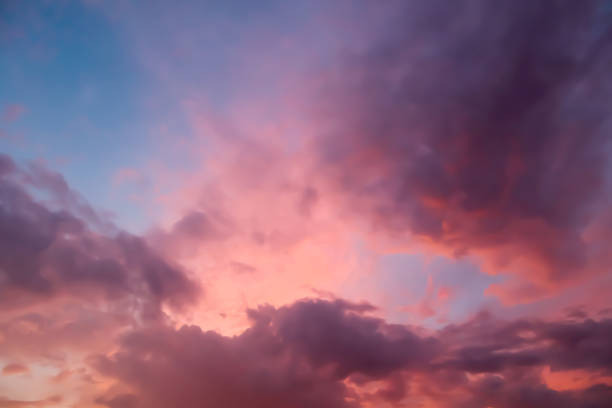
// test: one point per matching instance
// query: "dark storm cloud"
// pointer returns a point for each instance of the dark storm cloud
(481, 125)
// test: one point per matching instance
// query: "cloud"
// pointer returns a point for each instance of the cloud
(248, 222)
(493, 391)
(279, 361)
(69, 285)
(57, 193)
(479, 128)
(15, 368)
(13, 112)
(467, 128)
(329, 353)
(48, 253)
(487, 345)
(332, 333)
(204, 369)
(62, 376)
(48, 402)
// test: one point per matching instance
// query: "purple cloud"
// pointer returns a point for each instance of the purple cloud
(45, 253)
(481, 128)
(319, 353)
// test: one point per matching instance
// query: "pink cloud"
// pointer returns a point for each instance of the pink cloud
(425, 138)
(48, 402)
(435, 302)
(14, 368)
(127, 175)
(13, 112)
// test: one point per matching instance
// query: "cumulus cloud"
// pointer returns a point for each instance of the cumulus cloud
(326, 353)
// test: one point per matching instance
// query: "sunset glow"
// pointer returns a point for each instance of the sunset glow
(300, 204)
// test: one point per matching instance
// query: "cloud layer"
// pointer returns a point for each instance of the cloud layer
(352, 205)
(327, 353)
(482, 129)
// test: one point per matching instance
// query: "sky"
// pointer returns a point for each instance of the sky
(295, 204)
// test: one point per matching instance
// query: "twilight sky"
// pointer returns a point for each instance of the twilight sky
(306, 203)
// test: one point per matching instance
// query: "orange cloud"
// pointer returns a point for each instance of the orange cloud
(15, 368)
